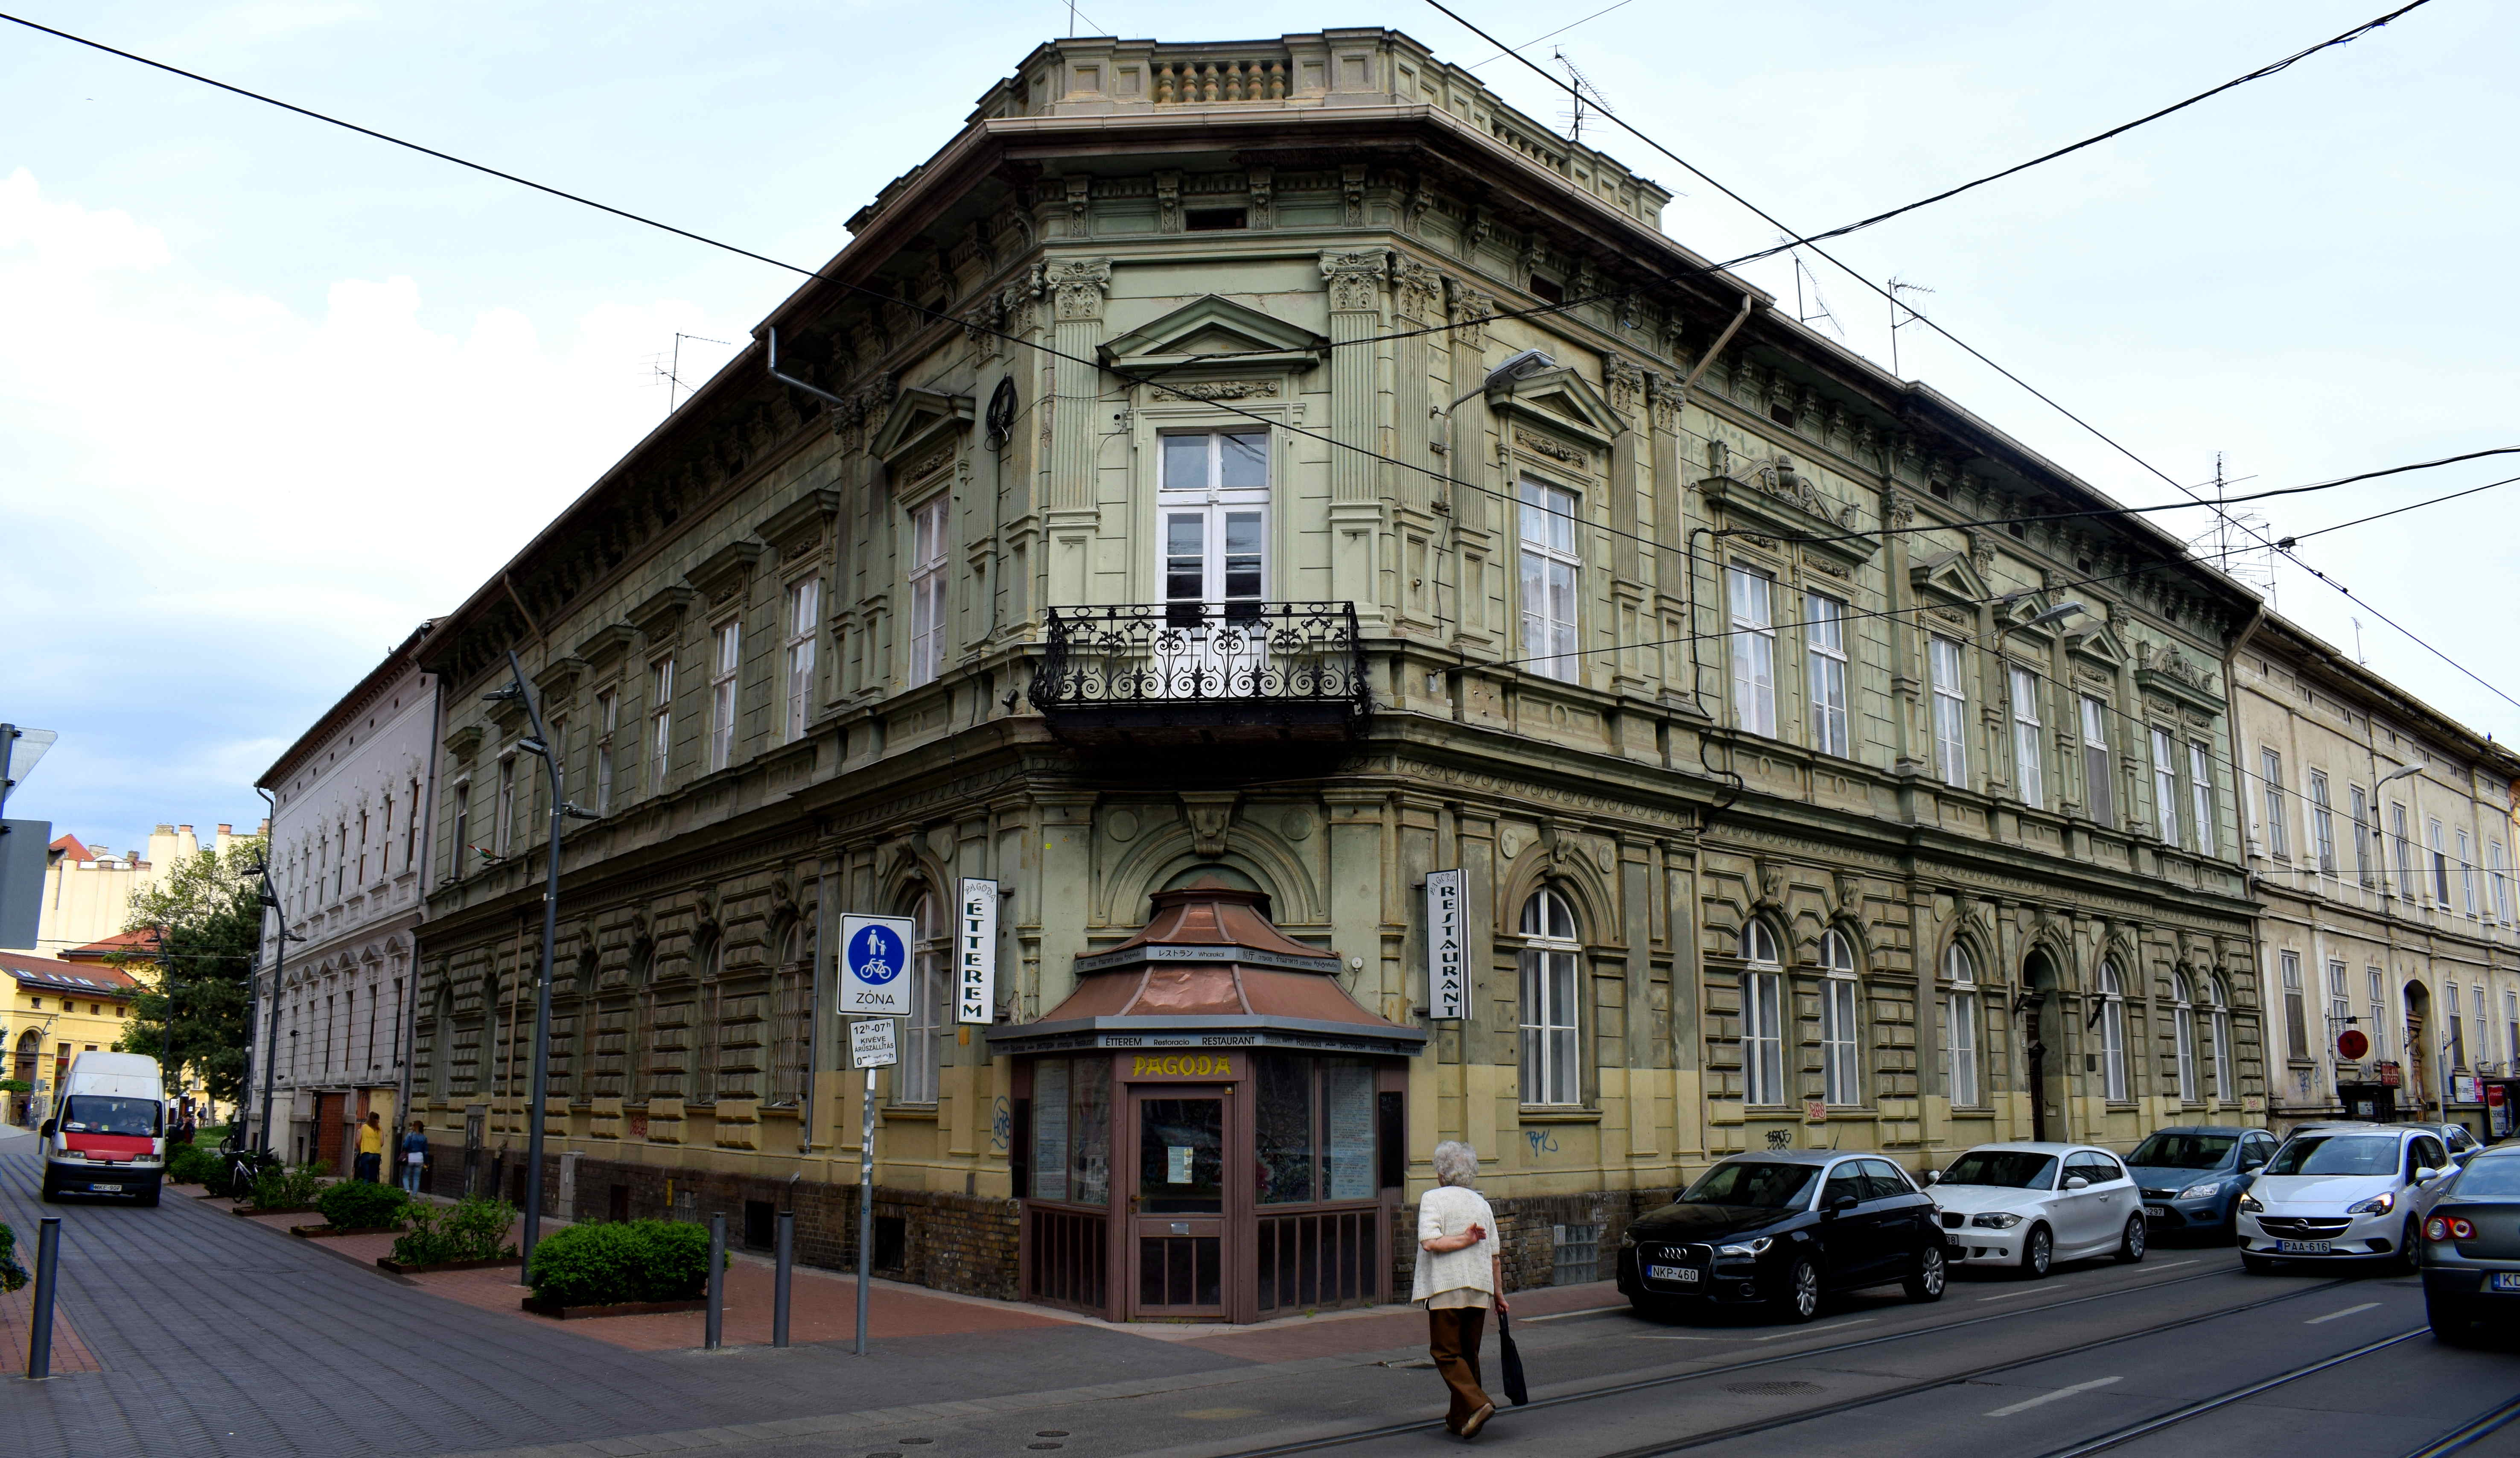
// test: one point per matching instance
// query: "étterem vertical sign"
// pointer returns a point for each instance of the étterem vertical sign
(1447, 979)
(975, 952)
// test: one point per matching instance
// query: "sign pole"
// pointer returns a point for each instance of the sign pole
(866, 1209)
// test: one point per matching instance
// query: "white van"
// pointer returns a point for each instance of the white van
(107, 1135)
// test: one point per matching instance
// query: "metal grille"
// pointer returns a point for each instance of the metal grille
(1067, 1259)
(2291, 1227)
(1173, 654)
(1311, 1261)
(1954, 1221)
(1579, 1255)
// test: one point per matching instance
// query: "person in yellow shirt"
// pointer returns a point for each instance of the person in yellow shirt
(372, 1151)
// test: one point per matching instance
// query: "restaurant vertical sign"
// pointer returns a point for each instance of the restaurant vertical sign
(975, 952)
(1448, 973)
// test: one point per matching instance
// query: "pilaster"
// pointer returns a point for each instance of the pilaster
(1077, 288)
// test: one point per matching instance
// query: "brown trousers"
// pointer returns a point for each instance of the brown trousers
(1453, 1339)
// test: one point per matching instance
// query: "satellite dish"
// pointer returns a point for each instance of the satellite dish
(1002, 413)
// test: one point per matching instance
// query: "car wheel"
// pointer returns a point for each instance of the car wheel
(1801, 1299)
(2451, 1320)
(2130, 1245)
(1931, 1273)
(2038, 1252)
(2411, 1247)
(2256, 1265)
(150, 1200)
(52, 1191)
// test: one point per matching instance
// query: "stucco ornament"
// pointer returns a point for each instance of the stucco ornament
(1356, 279)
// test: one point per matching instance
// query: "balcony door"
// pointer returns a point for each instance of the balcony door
(1212, 535)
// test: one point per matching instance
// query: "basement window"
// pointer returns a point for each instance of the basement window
(1216, 219)
(1578, 1253)
(1547, 291)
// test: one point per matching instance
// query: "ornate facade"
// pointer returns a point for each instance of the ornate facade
(1283, 465)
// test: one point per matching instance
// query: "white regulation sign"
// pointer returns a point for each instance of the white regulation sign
(871, 1044)
(975, 952)
(875, 964)
(1448, 975)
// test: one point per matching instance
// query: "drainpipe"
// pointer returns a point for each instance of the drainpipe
(420, 906)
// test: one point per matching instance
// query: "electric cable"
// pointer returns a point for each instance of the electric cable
(2395, 510)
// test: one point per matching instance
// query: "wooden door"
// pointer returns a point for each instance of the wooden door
(1181, 1251)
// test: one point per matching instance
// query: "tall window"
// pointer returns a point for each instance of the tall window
(2201, 792)
(362, 857)
(2360, 801)
(2223, 1088)
(1213, 509)
(1763, 1017)
(804, 608)
(607, 717)
(2466, 868)
(922, 1041)
(661, 722)
(1753, 651)
(2184, 1032)
(1841, 1021)
(927, 577)
(2271, 777)
(2406, 848)
(2296, 1016)
(2512, 1030)
(2502, 885)
(725, 661)
(1960, 1025)
(341, 836)
(2165, 786)
(2458, 1035)
(1951, 711)
(503, 810)
(1825, 645)
(1551, 974)
(2340, 1003)
(2440, 865)
(462, 857)
(2099, 778)
(2323, 824)
(1550, 568)
(2027, 754)
(2476, 1013)
(2113, 1062)
(411, 827)
(2375, 997)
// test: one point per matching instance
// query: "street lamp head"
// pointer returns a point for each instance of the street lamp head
(2056, 614)
(1521, 366)
(534, 747)
(503, 694)
(575, 811)
(2400, 773)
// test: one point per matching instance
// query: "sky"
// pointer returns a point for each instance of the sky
(272, 394)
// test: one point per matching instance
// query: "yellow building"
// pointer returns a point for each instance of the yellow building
(88, 888)
(129, 952)
(56, 1011)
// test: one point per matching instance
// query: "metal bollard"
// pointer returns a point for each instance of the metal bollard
(48, 1261)
(716, 1282)
(787, 1274)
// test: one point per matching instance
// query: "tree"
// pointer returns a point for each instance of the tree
(207, 917)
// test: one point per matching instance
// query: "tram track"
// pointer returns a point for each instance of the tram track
(1806, 1354)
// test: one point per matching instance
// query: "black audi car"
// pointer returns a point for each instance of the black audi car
(1784, 1229)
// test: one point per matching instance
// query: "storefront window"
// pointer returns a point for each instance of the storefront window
(1071, 1131)
(1286, 1129)
(1315, 1134)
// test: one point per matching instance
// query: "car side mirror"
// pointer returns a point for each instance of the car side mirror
(1932, 1178)
(50, 1126)
(1843, 1203)
(2077, 1182)
(2425, 1175)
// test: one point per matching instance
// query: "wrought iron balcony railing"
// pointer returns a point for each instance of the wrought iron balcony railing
(1266, 668)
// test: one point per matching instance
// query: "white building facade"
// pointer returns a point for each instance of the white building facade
(349, 837)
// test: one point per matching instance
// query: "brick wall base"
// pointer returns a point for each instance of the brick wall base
(1527, 1226)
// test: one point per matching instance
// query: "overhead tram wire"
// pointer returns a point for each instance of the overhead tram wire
(2395, 510)
(1981, 357)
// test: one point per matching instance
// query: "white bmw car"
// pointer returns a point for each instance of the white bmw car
(2343, 1191)
(2030, 1205)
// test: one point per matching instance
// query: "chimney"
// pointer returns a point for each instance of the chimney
(226, 829)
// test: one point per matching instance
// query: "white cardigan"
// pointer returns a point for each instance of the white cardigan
(1450, 1210)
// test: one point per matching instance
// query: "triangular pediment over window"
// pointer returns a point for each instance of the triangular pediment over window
(1559, 400)
(919, 417)
(1215, 326)
(1953, 575)
(2098, 645)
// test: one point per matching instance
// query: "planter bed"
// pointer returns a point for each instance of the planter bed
(387, 1262)
(624, 1308)
(318, 1232)
(248, 1211)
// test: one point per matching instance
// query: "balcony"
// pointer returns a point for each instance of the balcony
(1202, 672)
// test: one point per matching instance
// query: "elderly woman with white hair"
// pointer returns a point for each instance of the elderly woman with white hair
(1461, 1277)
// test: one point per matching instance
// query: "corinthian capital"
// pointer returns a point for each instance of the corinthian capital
(1077, 285)
(1356, 279)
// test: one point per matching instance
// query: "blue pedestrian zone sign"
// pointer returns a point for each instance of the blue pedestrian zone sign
(875, 952)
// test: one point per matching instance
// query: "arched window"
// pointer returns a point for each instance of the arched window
(708, 1010)
(1553, 1070)
(2113, 1067)
(1959, 1028)
(1840, 1020)
(790, 1034)
(1763, 1016)
(921, 1054)
(2182, 1015)
(2220, 1014)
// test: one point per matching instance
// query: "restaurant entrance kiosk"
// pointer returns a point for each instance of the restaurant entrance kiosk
(1209, 1128)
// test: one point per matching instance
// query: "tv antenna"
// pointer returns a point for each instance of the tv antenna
(1819, 308)
(1898, 306)
(672, 374)
(2254, 565)
(1578, 85)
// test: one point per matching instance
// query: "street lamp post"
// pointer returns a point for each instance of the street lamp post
(271, 1016)
(561, 810)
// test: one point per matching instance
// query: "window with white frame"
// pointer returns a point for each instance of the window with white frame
(1213, 511)
(2323, 823)
(1951, 711)
(503, 813)
(2458, 1035)
(1552, 572)
(462, 818)
(2165, 786)
(2296, 1015)
(2220, 998)
(924, 1041)
(661, 722)
(1824, 647)
(725, 662)
(2028, 754)
(2099, 777)
(1752, 648)
(1841, 1021)
(2405, 846)
(2113, 1062)
(804, 631)
(2500, 884)
(2200, 793)
(2476, 1010)
(2182, 1015)
(928, 578)
(2466, 874)
(1763, 1017)
(2512, 1030)
(1959, 1027)
(2360, 801)
(1551, 975)
(2271, 780)
(2340, 1001)
(607, 717)
(2440, 864)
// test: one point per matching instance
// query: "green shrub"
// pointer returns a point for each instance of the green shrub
(192, 1164)
(356, 1205)
(606, 1263)
(475, 1229)
(12, 1274)
(287, 1189)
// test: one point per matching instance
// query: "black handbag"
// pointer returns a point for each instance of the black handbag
(1510, 1357)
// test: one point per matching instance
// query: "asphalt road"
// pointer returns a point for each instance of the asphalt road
(220, 1338)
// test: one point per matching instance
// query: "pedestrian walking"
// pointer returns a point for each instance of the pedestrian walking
(369, 1165)
(415, 1156)
(1461, 1277)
